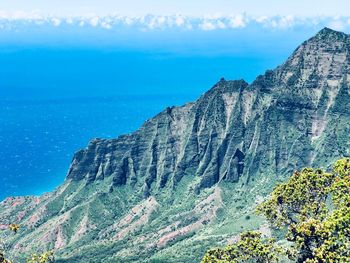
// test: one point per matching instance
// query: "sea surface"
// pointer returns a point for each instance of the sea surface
(39, 137)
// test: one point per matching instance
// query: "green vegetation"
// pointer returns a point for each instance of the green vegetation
(313, 209)
(45, 257)
(250, 248)
(14, 228)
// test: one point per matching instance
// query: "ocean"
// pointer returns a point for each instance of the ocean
(39, 137)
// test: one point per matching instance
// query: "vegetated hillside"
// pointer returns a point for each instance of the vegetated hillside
(190, 177)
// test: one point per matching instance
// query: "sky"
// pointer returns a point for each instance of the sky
(184, 7)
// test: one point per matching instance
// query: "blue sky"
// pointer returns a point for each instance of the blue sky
(185, 7)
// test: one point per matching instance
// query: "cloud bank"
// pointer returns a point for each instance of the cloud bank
(10, 21)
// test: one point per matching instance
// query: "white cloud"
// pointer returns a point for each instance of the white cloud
(20, 15)
(94, 21)
(238, 21)
(336, 25)
(207, 26)
(106, 25)
(287, 21)
(179, 21)
(262, 19)
(56, 22)
(69, 21)
(221, 24)
(3, 15)
(162, 22)
(128, 21)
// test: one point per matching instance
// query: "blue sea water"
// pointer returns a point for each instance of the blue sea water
(38, 137)
(54, 98)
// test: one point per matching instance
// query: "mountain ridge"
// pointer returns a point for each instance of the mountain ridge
(194, 173)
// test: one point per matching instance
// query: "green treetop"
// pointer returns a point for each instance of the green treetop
(314, 208)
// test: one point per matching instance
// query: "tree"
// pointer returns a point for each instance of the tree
(2, 257)
(250, 248)
(314, 206)
(314, 209)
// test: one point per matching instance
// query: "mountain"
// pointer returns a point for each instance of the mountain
(190, 177)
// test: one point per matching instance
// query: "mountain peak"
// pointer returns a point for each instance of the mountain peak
(328, 33)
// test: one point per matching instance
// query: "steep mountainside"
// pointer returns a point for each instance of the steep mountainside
(190, 177)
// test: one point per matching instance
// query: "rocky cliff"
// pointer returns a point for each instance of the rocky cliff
(190, 177)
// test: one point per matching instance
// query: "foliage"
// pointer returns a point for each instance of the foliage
(45, 257)
(250, 248)
(14, 227)
(314, 208)
(2, 257)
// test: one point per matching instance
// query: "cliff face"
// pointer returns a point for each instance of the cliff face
(194, 173)
(199, 139)
(235, 128)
